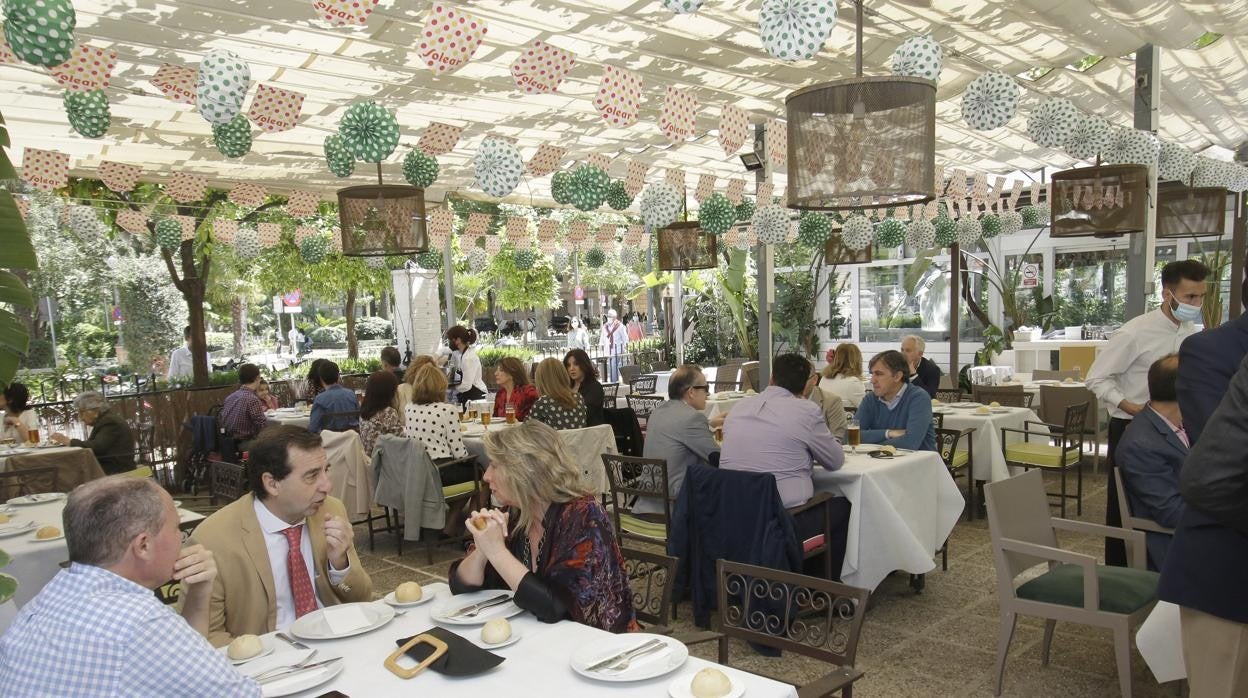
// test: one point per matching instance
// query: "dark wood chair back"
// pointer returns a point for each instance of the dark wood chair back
(643, 385)
(724, 386)
(629, 373)
(1006, 395)
(938, 420)
(632, 477)
(950, 396)
(609, 392)
(650, 577)
(227, 481)
(643, 405)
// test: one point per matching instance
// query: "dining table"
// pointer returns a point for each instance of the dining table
(539, 662)
(291, 416)
(989, 462)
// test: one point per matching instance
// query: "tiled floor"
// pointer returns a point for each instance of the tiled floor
(939, 643)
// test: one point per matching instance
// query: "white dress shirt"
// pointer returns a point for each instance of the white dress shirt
(277, 547)
(180, 363)
(470, 371)
(849, 389)
(1120, 371)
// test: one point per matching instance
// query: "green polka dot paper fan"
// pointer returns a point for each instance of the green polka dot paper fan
(247, 243)
(990, 101)
(717, 214)
(745, 210)
(946, 231)
(1174, 162)
(498, 167)
(595, 258)
(88, 112)
(1089, 137)
(771, 225)
(890, 232)
(340, 161)
(1051, 123)
(560, 187)
(660, 205)
(524, 259)
(588, 187)
(617, 196)
(1031, 217)
(856, 232)
(991, 225)
(1213, 173)
(369, 131)
(1131, 146)
(813, 229)
(40, 32)
(478, 259)
(683, 7)
(1011, 222)
(795, 30)
(314, 248)
(233, 139)
(431, 260)
(919, 57)
(1044, 212)
(221, 85)
(420, 170)
(168, 234)
(921, 234)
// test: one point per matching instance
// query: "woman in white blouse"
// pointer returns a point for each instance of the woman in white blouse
(19, 419)
(843, 374)
(471, 379)
(431, 419)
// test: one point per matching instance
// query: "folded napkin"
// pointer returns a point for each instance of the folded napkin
(462, 657)
(283, 658)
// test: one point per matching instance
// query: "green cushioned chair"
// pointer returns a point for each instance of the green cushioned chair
(632, 478)
(1058, 447)
(1040, 455)
(1074, 588)
(452, 491)
(641, 528)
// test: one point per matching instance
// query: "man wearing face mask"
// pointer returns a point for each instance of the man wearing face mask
(1119, 376)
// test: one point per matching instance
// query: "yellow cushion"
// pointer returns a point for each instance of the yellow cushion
(1043, 455)
(141, 471)
(960, 459)
(453, 491)
(641, 527)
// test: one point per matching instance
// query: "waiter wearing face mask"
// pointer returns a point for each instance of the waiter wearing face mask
(1119, 376)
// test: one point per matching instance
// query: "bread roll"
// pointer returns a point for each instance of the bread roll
(408, 592)
(994, 403)
(480, 523)
(5, 518)
(45, 532)
(244, 647)
(496, 631)
(710, 683)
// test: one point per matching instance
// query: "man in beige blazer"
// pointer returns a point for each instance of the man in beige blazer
(833, 409)
(264, 579)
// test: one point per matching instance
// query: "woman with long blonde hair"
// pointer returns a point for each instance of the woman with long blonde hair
(843, 375)
(559, 406)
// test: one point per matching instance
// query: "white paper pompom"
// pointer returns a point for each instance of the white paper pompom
(1089, 138)
(683, 7)
(857, 232)
(970, 230)
(1011, 222)
(990, 101)
(478, 259)
(1051, 123)
(1238, 179)
(921, 234)
(1212, 173)
(499, 166)
(794, 30)
(659, 205)
(247, 243)
(221, 85)
(1174, 162)
(1130, 146)
(919, 57)
(771, 225)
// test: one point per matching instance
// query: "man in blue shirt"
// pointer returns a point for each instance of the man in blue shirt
(336, 408)
(895, 413)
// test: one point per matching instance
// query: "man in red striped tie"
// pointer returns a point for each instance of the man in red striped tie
(285, 549)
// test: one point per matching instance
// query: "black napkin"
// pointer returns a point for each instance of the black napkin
(462, 658)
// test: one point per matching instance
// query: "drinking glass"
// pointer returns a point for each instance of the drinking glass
(511, 413)
(853, 434)
(485, 418)
(33, 436)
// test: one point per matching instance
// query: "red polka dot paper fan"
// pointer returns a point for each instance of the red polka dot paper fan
(679, 114)
(133, 222)
(302, 204)
(600, 161)
(578, 232)
(441, 221)
(188, 226)
(777, 142)
(478, 224)
(269, 233)
(634, 180)
(177, 82)
(619, 96)
(6, 53)
(545, 160)
(88, 68)
(763, 192)
(734, 129)
(547, 230)
(45, 169)
(345, 12)
(224, 230)
(676, 177)
(606, 233)
(274, 109)
(735, 190)
(439, 139)
(119, 177)
(186, 187)
(247, 194)
(706, 187)
(449, 38)
(541, 67)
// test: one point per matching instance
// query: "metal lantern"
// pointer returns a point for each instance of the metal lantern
(1186, 212)
(836, 253)
(1101, 201)
(382, 220)
(686, 246)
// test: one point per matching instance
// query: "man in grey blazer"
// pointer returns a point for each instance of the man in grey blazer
(677, 432)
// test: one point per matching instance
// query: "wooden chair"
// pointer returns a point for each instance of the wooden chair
(1054, 399)
(822, 543)
(749, 376)
(643, 405)
(629, 479)
(629, 373)
(660, 366)
(1039, 375)
(1129, 520)
(610, 391)
(950, 396)
(1066, 454)
(817, 618)
(718, 386)
(947, 442)
(226, 482)
(938, 420)
(1006, 395)
(643, 385)
(650, 579)
(1074, 588)
(38, 480)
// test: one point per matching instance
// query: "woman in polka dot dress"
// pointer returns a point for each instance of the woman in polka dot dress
(436, 423)
(559, 407)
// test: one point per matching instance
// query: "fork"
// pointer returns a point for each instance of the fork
(620, 665)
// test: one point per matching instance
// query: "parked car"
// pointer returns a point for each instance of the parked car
(560, 324)
(485, 324)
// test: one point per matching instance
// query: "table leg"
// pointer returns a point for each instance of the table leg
(917, 582)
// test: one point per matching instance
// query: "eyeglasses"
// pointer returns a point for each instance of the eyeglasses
(706, 388)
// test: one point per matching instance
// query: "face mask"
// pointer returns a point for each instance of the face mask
(1185, 312)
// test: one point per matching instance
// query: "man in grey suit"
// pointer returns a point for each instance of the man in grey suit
(677, 432)
(1151, 454)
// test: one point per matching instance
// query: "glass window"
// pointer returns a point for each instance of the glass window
(1089, 287)
(841, 310)
(891, 306)
(1216, 254)
(1024, 302)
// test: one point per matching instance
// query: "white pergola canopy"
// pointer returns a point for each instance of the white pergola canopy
(715, 54)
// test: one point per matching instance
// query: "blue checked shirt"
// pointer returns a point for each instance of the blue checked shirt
(93, 633)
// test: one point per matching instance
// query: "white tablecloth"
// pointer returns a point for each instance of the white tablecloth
(586, 447)
(903, 509)
(723, 405)
(30, 451)
(989, 462)
(1161, 644)
(538, 664)
(288, 416)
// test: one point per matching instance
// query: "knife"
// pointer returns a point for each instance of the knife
(620, 655)
(500, 599)
(295, 670)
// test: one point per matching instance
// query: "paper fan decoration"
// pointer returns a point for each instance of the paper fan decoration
(588, 187)
(1175, 162)
(1088, 139)
(221, 86)
(890, 232)
(595, 258)
(561, 187)
(717, 214)
(561, 258)
(478, 259)
(1213, 173)
(991, 225)
(449, 39)
(1011, 222)
(919, 57)
(1031, 217)
(247, 243)
(618, 197)
(45, 169)
(946, 230)
(40, 32)
(970, 230)
(88, 113)
(1238, 178)
(921, 234)
(630, 256)
(85, 223)
(369, 131)
(745, 210)
(990, 101)
(660, 204)
(771, 225)
(683, 7)
(340, 161)
(856, 233)
(420, 170)
(233, 139)
(541, 67)
(1130, 146)
(794, 30)
(813, 229)
(498, 166)
(431, 260)
(168, 233)
(524, 259)
(1052, 123)
(314, 248)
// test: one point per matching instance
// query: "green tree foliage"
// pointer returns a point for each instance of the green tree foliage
(153, 312)
(17, 259)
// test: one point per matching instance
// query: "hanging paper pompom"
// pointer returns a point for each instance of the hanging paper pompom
(168, 233)
(794, 30)
(970, 230)
(221, 85)
(1238, 177)
(990, 101)
(233, 139)
(1011, 222)
(588, 187)
(919, 57)
(717, 214)
(561, 259)
(946, 230)
(561, 188)
(630, 256)
(1044, 213)
(478, 259)
(369, 131)
(660, 204)
(1175, 162)
(375, 262)
(683, 7)
(88, 112)
(40, 32)
(85, 224)
(1031, 217)
(1051, 123)
(813, 229)
(890, 232)
(247, 243)
(745, 210)
(498, 167)
(431, 260)
(618, 197)
(524, 259)
(1088, 139)
(771, 225)
(420, 170)
(314, 248)
(1213, 173)
(595, 258)
(857, 232)
(921, 234)
(990, 224)
(340, 161)
(1130, 146)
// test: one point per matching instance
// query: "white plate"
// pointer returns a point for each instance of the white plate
(38, 498)
(267, 646)
(313, 626)
(475, 638)
(999, 410)
(6, 452)
(47, 540)
(647, 667)
(17, 529)
(681, 687)
(303, 680)
(454, 603)
(966, 405)
(429, 596)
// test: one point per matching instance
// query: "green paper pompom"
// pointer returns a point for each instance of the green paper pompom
(745, 210)
(890, 232)
(429, 260)
(813, 229)
(420, 170)
(946, 230)
(717, 214)
(1011, 222)
(314, 248)
(168, 234)
(340, 161)
(524, 259)
(88, 112)
(588, 187)
(40, 32)
(1031, 217)
(617, 196)
(369, 131)
(560, 187)
(991, 223)
(233, 138)
(595, 258)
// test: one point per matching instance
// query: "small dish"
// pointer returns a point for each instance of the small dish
(267, 647)
(476, 640)
(426, 598)
(682, 687)
(885, 455)
(47, 540)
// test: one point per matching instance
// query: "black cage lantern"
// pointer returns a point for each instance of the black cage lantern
(1186, 212)
(1100, 201)
(382, 219)
(686, 246)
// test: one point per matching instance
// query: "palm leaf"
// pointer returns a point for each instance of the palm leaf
(16, 252)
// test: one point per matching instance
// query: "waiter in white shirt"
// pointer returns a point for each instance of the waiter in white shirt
(180, 364)
(1119, 376)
